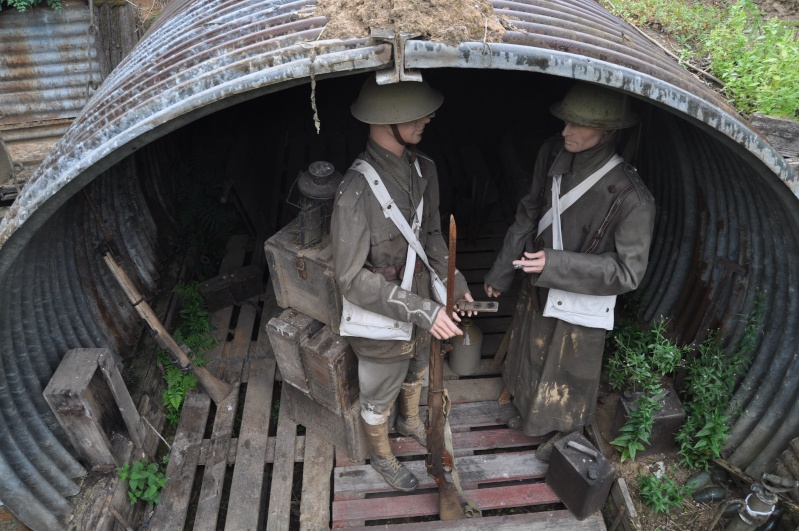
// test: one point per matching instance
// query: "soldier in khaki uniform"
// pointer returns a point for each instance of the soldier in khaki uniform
(553, 367)
(369, 254)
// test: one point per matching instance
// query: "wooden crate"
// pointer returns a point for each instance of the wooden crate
(90, 401)
(286, 331)
(233, 287)
(331, 369)
(303, 278)
(343, 430)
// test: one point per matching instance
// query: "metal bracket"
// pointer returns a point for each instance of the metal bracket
(398, 73)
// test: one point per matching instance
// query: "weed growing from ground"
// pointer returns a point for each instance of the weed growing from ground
(661, 493)
(640, 361)
(194, 331)
(712, 375)
(145, 480)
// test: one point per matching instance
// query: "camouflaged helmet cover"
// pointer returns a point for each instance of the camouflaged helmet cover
(395, 103)
(595, 106)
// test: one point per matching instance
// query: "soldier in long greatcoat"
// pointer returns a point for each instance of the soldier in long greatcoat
(553, 366)
(369, 254)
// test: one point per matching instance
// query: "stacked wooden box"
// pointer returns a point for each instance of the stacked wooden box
(322, 372)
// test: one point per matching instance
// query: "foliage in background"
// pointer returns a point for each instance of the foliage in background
(194, 331)
(758, 60)
(756, 57)
(640, 361)
(145, 481)
(24, 5)
(661, 493)
(205, 221)
(712, 375)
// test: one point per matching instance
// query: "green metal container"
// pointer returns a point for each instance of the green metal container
(465, 355)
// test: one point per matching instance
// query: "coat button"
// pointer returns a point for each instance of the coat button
(612, 188)
(560, 302)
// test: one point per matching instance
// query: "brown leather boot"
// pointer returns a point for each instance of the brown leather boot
(408, 421)
(384, 461)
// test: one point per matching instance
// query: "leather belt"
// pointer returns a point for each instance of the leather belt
(396, 271)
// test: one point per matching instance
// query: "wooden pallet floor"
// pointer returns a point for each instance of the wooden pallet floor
(241, 465)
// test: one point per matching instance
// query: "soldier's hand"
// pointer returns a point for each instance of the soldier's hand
(468, 298)
(444, 327)
(531, 262)
(490, 291)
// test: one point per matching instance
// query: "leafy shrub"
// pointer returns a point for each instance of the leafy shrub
(758, 60)
(24, 5)
(660, 493)
(194, 331)
(756, 57)
(145, 481)
(640, 360)
(710, 382)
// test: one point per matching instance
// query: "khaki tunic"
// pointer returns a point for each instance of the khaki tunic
(363, 237)
(552, 368)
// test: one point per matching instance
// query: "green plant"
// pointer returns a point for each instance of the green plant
(194, 331)
(756, 57)
(145, 480)
(24, 5)
(639, 362)
(660, 493)
(758, 60)
(710, 381)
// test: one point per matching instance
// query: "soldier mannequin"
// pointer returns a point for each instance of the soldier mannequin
(553, 367)
(369, 254)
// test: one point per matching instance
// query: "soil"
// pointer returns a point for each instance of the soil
(784, 9)
(447, 21)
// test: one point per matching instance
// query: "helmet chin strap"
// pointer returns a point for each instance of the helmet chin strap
(398, 137)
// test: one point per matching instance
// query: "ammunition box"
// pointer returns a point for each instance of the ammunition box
(286, 331)
(331, 370)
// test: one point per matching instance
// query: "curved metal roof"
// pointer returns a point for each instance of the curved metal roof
(202, 56)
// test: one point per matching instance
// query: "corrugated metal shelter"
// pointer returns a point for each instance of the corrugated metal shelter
(48, 71)
(726, 227)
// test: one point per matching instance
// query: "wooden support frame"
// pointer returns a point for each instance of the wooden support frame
(89, 399)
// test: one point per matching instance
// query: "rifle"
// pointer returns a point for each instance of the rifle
(216, 388)
(449, 505)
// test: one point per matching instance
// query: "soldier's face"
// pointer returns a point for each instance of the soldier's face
(578, 138)
(411, 132)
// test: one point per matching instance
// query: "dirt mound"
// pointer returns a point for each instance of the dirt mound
(447, 21)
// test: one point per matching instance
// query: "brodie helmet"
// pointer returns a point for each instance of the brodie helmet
(395, 103)
(595, 106)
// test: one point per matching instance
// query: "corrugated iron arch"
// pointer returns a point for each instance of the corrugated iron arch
(201, 57)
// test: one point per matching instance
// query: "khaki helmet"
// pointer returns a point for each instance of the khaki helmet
(395, 103)
(595, 106)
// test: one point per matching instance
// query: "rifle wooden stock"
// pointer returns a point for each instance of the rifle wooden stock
(449, 505)
(216, 388)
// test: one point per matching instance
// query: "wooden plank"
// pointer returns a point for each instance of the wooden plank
(470, 440)
(485, 368)
(80, 398)
(279, 507)
(474, 389)
(170, 512)
(473, 470)
(544, 521)
(316, 475)
(123, 400)
(230, 368)
(216, 463)
(248, 473)
(478, 414)
(426, 504)
(620, 497)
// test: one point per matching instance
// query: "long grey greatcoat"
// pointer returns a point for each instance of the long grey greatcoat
(552, 367)
(362, 236)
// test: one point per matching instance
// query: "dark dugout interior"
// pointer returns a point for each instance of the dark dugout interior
(719, 240)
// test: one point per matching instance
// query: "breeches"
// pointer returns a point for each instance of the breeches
(380, 383)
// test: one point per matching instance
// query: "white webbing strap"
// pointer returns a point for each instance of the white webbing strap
(575, 193)
(410, 234)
